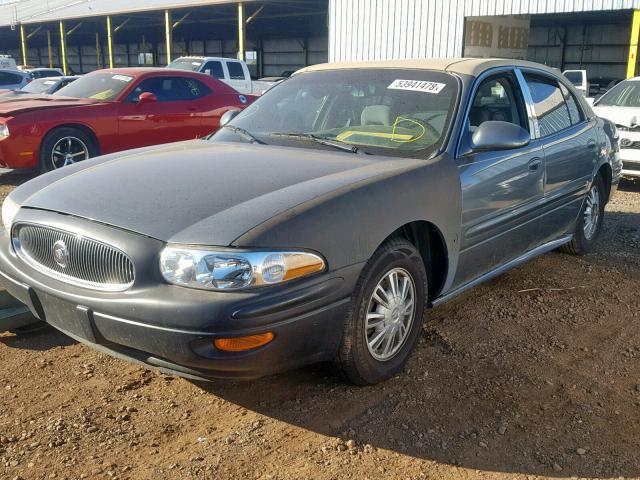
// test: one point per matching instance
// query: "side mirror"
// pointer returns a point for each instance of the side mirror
(147, 97)
(228, 116)
(495, 135)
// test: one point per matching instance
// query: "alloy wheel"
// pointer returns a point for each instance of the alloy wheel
(591, 213)
(67, 151)
(390, 314)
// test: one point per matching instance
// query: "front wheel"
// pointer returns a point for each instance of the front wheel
(589, 223)
(66, 146)
(386, 314)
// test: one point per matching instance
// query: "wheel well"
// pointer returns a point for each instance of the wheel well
(83, 128)
(606, 174)
(428, 239)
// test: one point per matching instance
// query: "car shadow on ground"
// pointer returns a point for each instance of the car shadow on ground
(533, 381)
(39, 337)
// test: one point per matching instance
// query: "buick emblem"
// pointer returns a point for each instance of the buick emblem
(60, 254)
(625, 142)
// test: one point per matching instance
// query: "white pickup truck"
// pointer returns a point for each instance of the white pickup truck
(234, 73)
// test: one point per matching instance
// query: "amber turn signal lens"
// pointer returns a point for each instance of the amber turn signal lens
(241, 344)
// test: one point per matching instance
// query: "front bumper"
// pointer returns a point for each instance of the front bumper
(630, 162)
(173, 328)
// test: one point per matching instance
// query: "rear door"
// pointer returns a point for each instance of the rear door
(502, 190)
(238, 76)
(571, 147)
(176, 115)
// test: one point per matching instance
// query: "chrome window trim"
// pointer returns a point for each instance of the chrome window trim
(33, 263)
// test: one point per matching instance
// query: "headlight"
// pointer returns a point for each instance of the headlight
(4, 131)
(9, 210)
(231, 270)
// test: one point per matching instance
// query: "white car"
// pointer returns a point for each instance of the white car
(234, 73)
(621, 105)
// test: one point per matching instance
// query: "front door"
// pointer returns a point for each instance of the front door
(176, 115)
(502, 190)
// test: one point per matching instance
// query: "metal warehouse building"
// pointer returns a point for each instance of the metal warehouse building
(600, 36)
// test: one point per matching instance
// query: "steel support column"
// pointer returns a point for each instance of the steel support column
(168, 27)
(63, 48)
(110, 41)
(633, 44)
(23, 43)
(242, 39)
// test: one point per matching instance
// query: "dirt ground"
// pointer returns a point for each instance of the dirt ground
(535, 374)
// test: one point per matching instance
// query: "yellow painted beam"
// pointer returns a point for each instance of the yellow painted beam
(242, 38)
(23, 43)
(63, 48)
(633, 44)
(110, 42)
(168, 27)
(49, 49)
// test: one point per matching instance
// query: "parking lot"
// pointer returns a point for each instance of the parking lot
(533, 374)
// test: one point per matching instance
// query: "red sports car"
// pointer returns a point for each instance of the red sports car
(112, 110)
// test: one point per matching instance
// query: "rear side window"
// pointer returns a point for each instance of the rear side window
(574, 110)
(171, 89)
(214, 69)
(549, 104)
(236, 72)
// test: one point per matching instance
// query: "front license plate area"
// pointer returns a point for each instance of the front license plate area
(70, 318)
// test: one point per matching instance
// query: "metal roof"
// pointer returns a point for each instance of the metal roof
(35, 11)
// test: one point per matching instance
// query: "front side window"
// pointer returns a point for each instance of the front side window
(170, 89)
(549, 105)
(625, 94)
(498, 99)
(402, 113)
(97, 86)
(236, 72)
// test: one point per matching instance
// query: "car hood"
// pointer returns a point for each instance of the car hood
(619, 115)
(199, 192)
(14, 104)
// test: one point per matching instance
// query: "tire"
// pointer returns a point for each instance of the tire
(586, 232)
(358, 357)
(57, 139)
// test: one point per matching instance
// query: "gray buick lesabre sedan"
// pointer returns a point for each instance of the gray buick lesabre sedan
(318, 224)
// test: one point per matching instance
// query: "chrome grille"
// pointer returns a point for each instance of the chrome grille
(84, 262)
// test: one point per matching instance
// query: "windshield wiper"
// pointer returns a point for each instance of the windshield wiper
(244, 134)
(344, 146)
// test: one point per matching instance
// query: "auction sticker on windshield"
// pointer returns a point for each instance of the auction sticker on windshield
(122, 78)
(417, 86)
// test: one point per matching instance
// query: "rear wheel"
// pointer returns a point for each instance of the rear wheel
(66, 146)
(589, 222)
(386, 314)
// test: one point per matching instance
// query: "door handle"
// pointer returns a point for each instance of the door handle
(534, 165)
(591, 145)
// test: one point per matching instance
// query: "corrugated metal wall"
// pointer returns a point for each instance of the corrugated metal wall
(383, 29)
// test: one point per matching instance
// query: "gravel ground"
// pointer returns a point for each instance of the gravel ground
(535, 374)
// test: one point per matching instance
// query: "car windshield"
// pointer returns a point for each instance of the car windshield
(574, 77)
(41, 85)
(403, 113)
(98, 86)
(625, 94)
(192, 64)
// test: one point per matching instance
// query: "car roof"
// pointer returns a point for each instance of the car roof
(40, 69)
(14, 70)
(196, 57)
(463, 66)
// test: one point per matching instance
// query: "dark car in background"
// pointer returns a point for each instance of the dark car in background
(318, 224)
